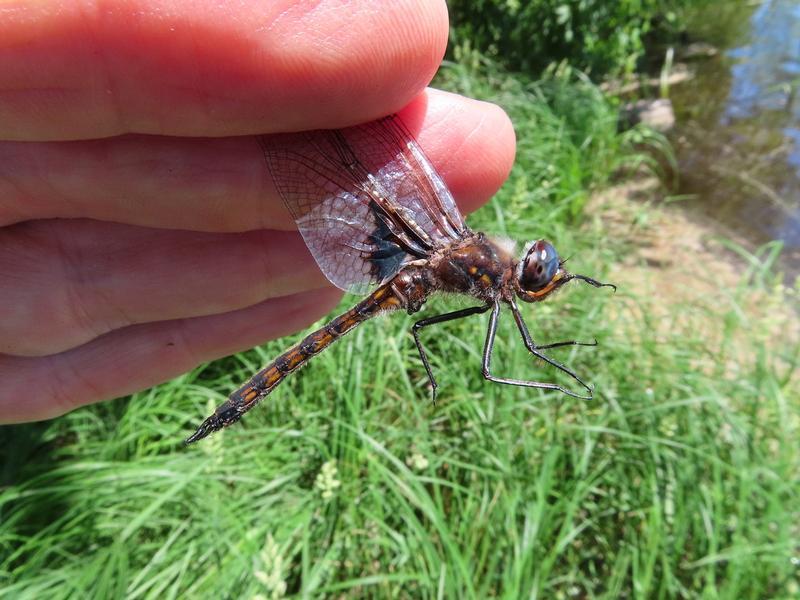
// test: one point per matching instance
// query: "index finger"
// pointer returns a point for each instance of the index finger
(78, 70)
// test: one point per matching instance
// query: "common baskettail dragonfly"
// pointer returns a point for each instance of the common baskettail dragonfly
(379, 220)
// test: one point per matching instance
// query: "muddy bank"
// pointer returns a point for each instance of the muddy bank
(682, 278)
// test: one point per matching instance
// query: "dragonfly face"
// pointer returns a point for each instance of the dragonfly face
(540, 272)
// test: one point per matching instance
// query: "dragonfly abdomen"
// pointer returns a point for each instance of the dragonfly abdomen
(391, 296)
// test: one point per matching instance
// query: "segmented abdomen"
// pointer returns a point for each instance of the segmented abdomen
(262, 383)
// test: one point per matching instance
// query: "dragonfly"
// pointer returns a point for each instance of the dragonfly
(380, 222)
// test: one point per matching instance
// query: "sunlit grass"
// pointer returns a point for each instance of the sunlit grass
(680, 478)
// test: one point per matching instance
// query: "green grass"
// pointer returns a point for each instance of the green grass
(680, 479)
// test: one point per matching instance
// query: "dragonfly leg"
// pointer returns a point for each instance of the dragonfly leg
(560, 344)
(529, 343)
(422, 323)
(488, 349)
(535, 350)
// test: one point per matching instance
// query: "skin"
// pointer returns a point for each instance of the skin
(140, 234)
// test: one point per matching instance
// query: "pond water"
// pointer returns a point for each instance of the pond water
(738, 132)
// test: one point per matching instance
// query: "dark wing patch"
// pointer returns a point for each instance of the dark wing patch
(387, 257)
(365, 199)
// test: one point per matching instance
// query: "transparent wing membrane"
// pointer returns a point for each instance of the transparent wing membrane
(366, 199)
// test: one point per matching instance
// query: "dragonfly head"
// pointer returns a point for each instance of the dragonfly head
(541, 272)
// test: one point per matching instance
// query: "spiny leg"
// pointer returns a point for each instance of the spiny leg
(561, 344)
(451, 316)
(526, 336)
(488, 348)
(535, 350)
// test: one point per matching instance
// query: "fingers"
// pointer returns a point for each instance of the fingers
(138, 357)
(222, 184)
(80, 70)
(64, 283)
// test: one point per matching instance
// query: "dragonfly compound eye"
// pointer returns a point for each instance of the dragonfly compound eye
(538, 267)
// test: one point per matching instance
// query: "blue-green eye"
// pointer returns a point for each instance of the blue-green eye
(539, 266)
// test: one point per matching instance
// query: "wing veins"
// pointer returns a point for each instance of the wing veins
(415, 240)
(401, 138)
(407, 235)
(365, 198)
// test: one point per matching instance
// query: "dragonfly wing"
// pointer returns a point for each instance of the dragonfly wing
(390, 152)
(365, 199)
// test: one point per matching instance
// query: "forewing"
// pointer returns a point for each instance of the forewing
(365, 199)
(388, 150)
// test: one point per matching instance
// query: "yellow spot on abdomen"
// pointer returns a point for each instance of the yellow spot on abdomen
(294, 359)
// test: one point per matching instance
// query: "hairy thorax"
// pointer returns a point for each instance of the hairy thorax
(479, 267)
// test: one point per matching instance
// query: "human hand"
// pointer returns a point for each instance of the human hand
(140, 233)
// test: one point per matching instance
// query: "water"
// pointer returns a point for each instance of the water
(738, 133)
